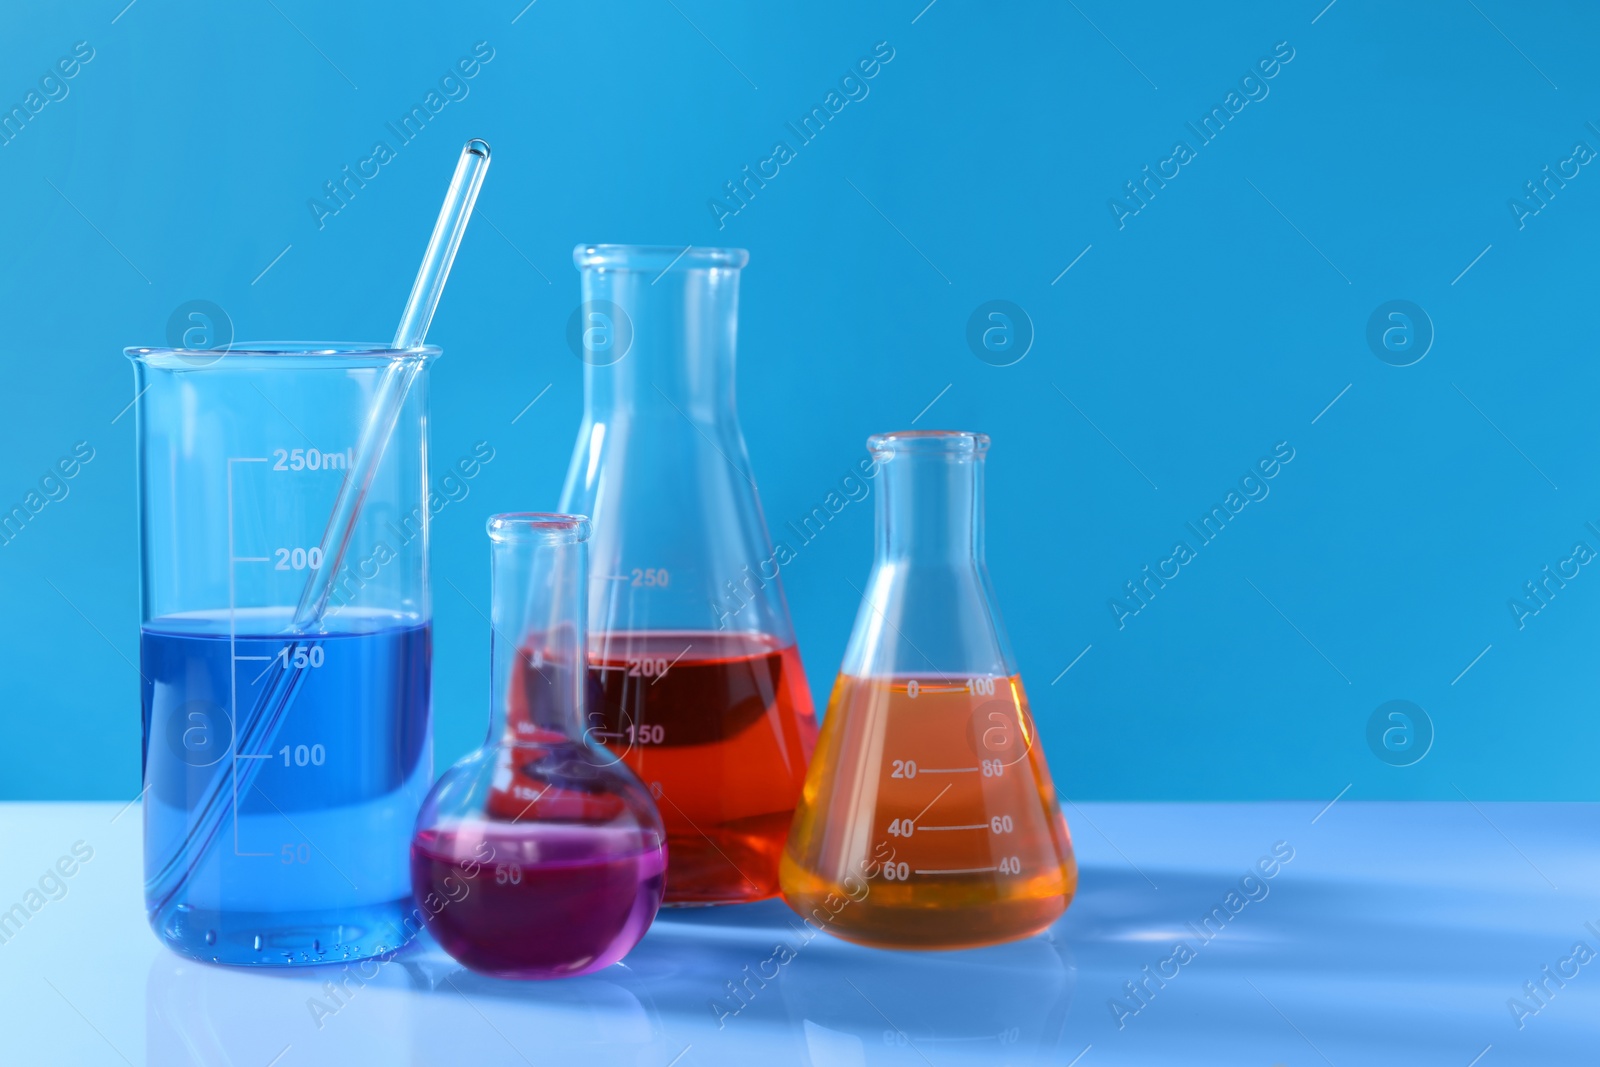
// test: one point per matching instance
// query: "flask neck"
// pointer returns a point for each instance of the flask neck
(930, 507)
(538, 664)
(929, 606)
(655, 341)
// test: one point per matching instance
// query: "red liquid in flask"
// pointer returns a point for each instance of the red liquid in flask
(720, 727)
(536, 900)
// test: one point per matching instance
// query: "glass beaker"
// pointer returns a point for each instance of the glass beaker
(698, 681)
(283, 765)
(539, 855)
(929, 819)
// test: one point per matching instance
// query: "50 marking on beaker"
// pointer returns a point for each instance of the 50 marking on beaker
(311, 459)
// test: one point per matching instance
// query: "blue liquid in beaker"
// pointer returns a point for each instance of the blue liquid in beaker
(311, 862)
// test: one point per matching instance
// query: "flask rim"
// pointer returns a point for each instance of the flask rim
(657, 259)
(537, 528)
(956, 443)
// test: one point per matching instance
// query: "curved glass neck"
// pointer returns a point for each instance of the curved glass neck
(538, 665)
(659, 339)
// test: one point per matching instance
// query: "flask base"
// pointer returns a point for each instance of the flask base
(734, 862)
(924, 924)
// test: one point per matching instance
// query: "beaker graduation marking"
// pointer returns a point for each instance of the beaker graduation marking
(234, 658)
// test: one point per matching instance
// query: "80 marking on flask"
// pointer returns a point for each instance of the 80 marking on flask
(963, 827)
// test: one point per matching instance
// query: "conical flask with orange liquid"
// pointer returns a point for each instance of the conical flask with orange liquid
(928, 818)
(695, 679)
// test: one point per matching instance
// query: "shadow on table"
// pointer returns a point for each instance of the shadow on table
(728, 981)
(735, 981)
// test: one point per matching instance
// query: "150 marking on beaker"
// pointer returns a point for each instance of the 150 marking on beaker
(300, 657)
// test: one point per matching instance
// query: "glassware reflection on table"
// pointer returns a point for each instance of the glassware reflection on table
(540, 855)
(1004, 1004)
(283, 761)
(929, 819)
(698, 681)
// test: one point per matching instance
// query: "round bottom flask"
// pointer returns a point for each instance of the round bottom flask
(540, 855)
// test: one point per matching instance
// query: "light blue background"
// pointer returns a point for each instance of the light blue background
(979, 167)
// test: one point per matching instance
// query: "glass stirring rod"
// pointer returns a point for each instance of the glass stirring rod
(396, 382)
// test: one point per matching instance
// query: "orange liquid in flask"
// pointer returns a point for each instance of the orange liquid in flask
(929, 819)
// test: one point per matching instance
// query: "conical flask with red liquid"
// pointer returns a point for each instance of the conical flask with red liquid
(695, 676)
(539, 855)
(929, 819)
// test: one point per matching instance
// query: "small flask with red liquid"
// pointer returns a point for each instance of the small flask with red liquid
(696, 680)
(540, 855)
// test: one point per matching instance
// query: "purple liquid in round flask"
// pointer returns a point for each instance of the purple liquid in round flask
(541, 855)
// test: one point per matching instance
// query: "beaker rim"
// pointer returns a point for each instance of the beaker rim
(344, 352)
(538, 528)
(953, 442)
(657, 258)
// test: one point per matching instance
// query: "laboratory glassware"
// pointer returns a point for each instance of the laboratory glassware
(929, 819)
(283, 761)
(388, 400)
(700, 687)
(540, 855)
